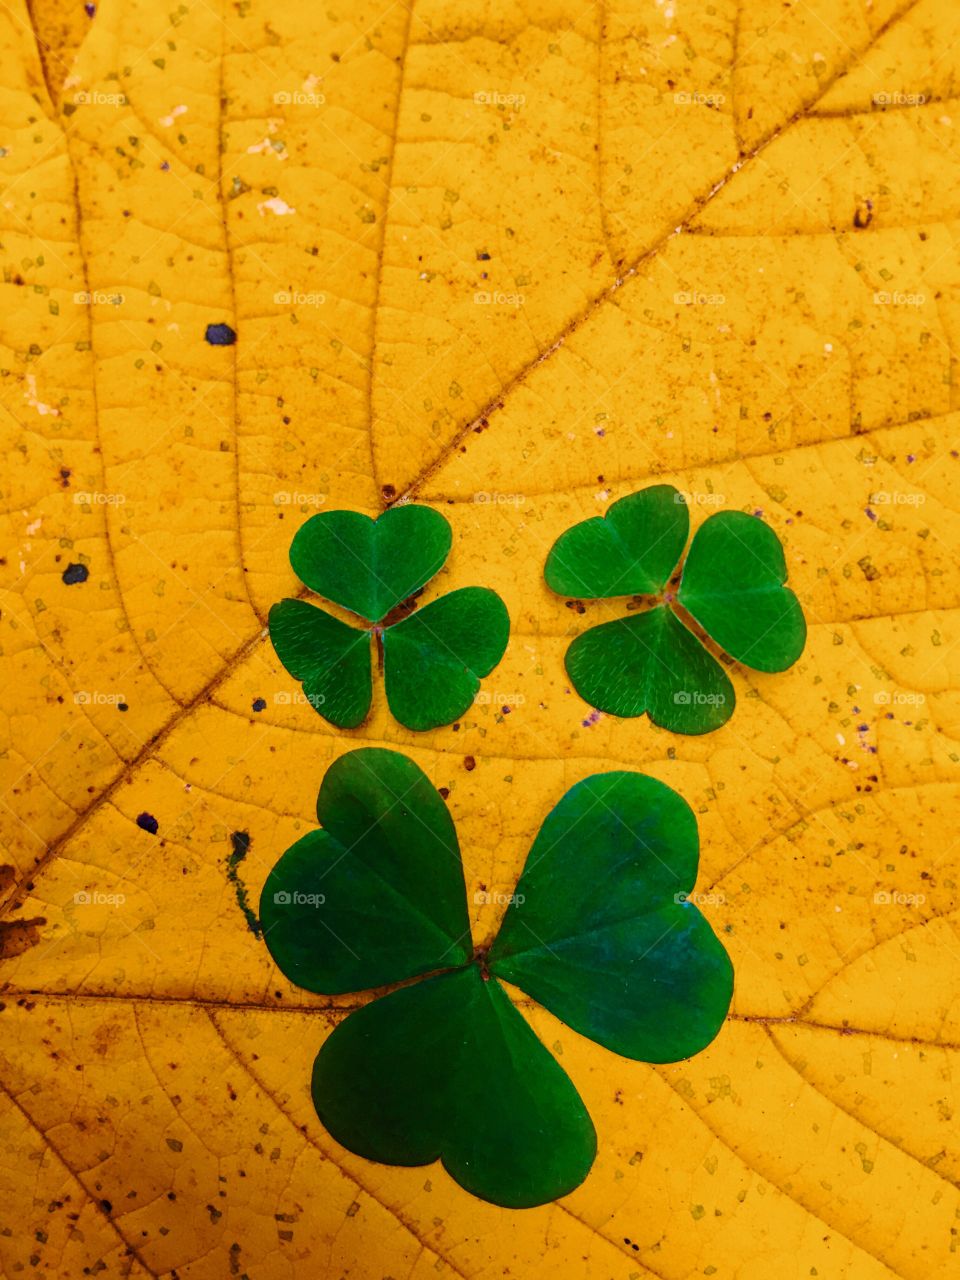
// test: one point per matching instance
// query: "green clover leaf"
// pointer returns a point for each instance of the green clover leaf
(655, 662)
(600, 931)
(433, 658)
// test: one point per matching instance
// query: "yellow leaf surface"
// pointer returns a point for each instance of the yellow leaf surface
(514, 260)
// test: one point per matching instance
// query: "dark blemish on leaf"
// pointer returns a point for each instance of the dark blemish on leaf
(75, 573)
(871, 515)
(8, 876)
(483, 256)
(400, 611)
(106, 1206)
(240, 841)
(389, 492)
(18, 936)
(591, 719)
(123, 706)
(259, 704)
(65, 474)
(444, 793)
(469, 763)
(147, 822)
(863, 215)
(175, 1145)
(220, 335)
(868, 569)
(577, 606)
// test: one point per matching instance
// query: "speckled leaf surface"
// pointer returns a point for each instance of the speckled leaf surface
(514, 262)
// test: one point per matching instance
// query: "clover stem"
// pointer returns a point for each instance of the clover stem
(378, 634)
(480, 958)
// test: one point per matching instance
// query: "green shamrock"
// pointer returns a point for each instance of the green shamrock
(732, 587)
(600, 931)
(432, 658)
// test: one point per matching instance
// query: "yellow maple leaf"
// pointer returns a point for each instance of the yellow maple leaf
(513, 261)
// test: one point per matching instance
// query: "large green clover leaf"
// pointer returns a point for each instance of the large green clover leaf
(433, 658)
(601, 931)
(731, 591)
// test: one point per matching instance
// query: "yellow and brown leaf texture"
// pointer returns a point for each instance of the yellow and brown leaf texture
(513, 260)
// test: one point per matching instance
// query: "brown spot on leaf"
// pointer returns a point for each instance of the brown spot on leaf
(17, 936)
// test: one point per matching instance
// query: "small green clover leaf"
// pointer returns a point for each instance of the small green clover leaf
(433, 658)
(653, 662)
(600, 931)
